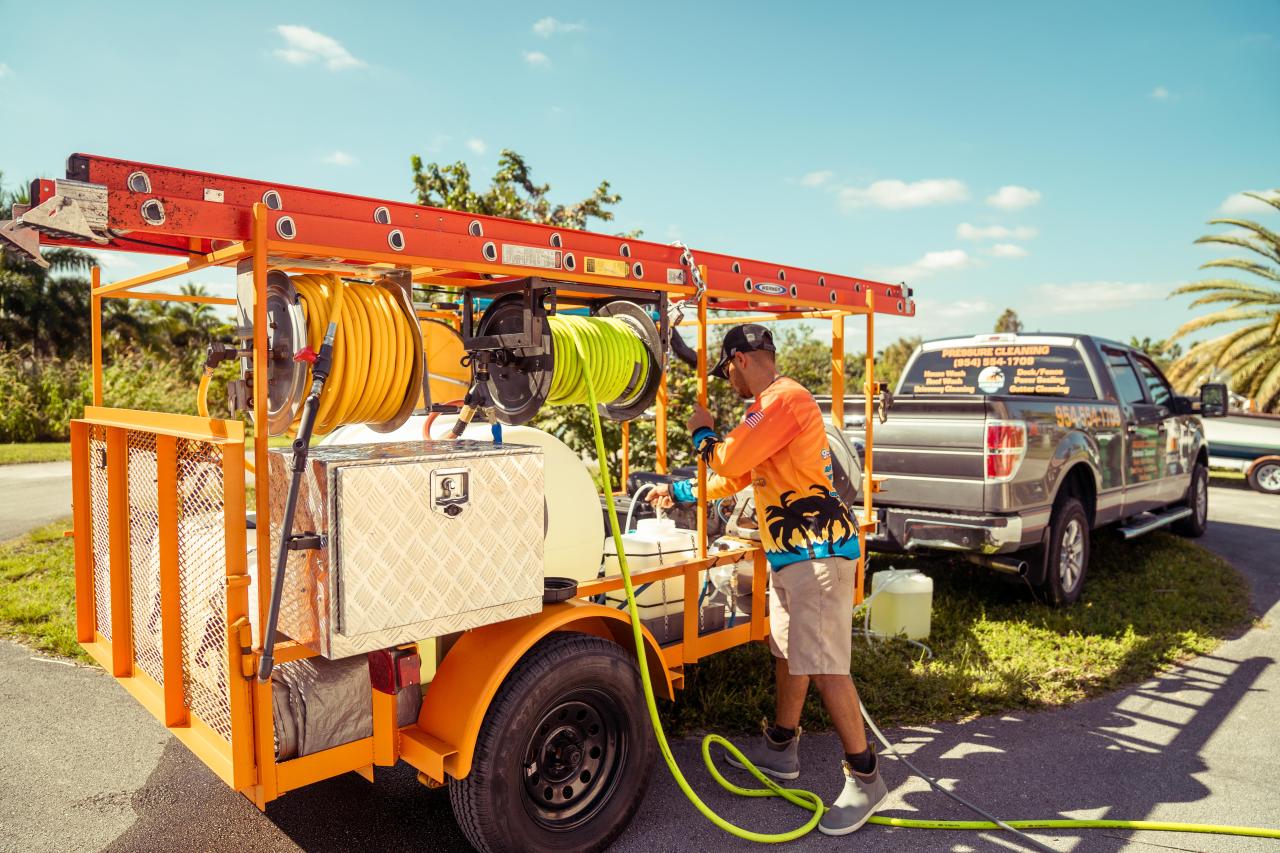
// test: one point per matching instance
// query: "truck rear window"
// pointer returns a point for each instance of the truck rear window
(1050, 371)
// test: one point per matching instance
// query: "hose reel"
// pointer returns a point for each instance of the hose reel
(523, 359)
(378, 353)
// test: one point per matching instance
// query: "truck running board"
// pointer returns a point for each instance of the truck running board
(1153, 521)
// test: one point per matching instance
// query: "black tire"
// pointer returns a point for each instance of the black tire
(564, 756)
(1066, 554)
(1194, 525)
(1264, 477)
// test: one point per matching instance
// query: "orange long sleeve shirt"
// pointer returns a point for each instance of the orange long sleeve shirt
(781, 450)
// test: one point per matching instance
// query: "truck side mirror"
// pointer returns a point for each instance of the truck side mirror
(1213, 400)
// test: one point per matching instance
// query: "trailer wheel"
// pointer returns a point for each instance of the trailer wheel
(1194, 525)
(1264, 476)
(1066, 555)
(564, 756)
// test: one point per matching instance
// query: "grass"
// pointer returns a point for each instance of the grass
(57, 451)
(1147, 605)
(37, 591)
(40, 451)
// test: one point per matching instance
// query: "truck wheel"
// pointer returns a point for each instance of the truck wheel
(1194, 525)
(1067, 553)
(1265, 477)
(563, 758)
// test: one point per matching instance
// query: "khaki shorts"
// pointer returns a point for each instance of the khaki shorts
(811, 615)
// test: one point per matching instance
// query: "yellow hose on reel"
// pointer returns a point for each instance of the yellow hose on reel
(372, 354)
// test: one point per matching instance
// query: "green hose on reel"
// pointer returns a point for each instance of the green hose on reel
(594, 343)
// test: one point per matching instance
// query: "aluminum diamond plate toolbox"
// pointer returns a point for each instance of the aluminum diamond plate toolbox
(422, 538)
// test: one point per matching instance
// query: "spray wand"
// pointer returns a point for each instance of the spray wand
(321, 363)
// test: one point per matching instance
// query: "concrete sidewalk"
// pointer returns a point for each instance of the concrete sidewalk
(83, 766)
(32, 495)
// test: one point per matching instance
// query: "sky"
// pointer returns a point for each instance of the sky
(1059, 160)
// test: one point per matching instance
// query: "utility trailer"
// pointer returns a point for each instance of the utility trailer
(530, 711)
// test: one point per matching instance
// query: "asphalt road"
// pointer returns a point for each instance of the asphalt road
(84, 767)
(32, 495)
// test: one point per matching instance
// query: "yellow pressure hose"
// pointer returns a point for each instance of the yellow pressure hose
(802, 798)
(372, 353)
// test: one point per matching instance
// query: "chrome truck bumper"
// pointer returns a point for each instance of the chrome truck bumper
(916, 530)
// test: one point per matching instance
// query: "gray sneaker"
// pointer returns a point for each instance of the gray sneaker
(862, 795)
(779, 760)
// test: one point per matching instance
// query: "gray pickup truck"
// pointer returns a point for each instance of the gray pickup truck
(1011, 449)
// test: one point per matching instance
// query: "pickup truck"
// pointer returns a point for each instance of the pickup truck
(1011, 448)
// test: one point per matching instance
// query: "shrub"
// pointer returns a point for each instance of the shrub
(39, 395)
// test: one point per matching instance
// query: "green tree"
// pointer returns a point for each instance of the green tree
(891, 360)
(1163, 353)
(512, 193)
(43, 310)
(1250, 352)
(1009, 322)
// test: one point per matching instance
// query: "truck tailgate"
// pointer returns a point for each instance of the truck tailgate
(930, 450)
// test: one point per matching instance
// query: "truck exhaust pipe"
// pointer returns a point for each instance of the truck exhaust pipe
(1005, 565)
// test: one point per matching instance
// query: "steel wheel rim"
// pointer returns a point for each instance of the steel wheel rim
(1071, 555)
(1269, 476)
(573, 760)
(1202, 499)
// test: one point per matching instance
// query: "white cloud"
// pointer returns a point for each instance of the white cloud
(929, 264)
(895, 194)
(339, 158)
(537, 58)
(1013, 197)
(965, 231)
(1008, 250)
(304, 45)
(816, 179)
(1097, 296)
(547, 27)
(477, 145)
(1240, 204)
(936, 318)
(5, 70)
(1160, 93)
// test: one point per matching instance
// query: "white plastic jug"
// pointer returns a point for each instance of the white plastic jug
(903, 603)
(655, 542)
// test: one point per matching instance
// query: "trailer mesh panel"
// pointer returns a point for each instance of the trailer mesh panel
(101, 531)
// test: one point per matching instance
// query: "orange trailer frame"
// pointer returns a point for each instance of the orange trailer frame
(237, 741)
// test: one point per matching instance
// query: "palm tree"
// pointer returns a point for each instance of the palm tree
(1250, 353)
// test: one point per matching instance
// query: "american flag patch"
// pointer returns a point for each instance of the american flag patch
(753, 419)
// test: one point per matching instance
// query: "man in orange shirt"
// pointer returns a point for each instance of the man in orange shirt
(811, 542)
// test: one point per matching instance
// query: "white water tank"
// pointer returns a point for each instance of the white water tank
(574, 525)
(654, 543)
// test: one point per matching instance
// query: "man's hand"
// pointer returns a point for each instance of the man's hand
(660, 497)
(699, 419)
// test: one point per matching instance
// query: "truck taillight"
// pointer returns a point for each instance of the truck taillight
(1006, 444)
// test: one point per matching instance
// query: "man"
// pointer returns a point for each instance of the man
(811, 542)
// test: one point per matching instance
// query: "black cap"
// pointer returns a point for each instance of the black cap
(745, 338)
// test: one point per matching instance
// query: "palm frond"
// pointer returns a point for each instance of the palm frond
(1272, 199)
(1269, 388)
(1242, 242)
(1226, 315)
(1266, 234)
(1246, 265)
(1218, 284)
(1240, 297)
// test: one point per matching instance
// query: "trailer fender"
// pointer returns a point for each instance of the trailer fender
(458, 698)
